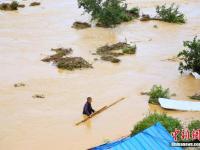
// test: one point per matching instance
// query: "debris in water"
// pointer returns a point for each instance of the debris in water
(110, 52)
(155, 26)
(60, 52)
(110, 58)
(34, 4)
(72, 63)
(20, 84)
(173, 59)
(9, 6)
(144, 93)
(145, 17)
(69, 63)
(38, 96)
(81, 25)
(21, 5)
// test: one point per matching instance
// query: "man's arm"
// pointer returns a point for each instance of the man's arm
(91, 109)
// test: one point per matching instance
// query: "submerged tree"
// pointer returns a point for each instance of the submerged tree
(108, 12)
(190, 56)
(170, 14)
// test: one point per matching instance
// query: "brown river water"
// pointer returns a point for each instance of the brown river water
(26, 36)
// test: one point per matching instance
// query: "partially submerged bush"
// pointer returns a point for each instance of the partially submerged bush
(168, 122)
(81, 25)
(69, 63)
(108, 13)
(34, 4)
(190, 56)
(9, 6)
(72, 63)
(110, 52)
(157, 92)
(170, 14)
(135, 11)
(129, 49)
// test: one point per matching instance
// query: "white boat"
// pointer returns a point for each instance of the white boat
(179, 104)
(196, 75)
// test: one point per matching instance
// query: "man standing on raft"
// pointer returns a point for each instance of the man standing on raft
(88, 110)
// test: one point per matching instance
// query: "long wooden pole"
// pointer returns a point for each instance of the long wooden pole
(99, 111)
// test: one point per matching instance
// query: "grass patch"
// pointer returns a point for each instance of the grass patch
(168, 122)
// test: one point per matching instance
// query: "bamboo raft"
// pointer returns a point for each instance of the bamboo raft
(99, 111)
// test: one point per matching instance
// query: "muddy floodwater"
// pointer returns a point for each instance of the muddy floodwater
(27, 35)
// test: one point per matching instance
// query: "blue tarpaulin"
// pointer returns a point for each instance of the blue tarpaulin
(155, 137)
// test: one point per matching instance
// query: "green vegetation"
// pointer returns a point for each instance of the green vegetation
(9, 6)
(168, 122)
(195, 124)
(135, 11)
(170, 14)
(108, 13)
(195, 96)
(156, 92)
(14, 5)
(129, 49)
(190, 56)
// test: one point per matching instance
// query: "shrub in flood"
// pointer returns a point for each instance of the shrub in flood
(168, 122)
(156, 92)
(135, 11)
(108, 13)
(14, 5)
(190, 56)
(170, 14)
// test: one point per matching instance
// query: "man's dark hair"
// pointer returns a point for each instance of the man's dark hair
(89, 98)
